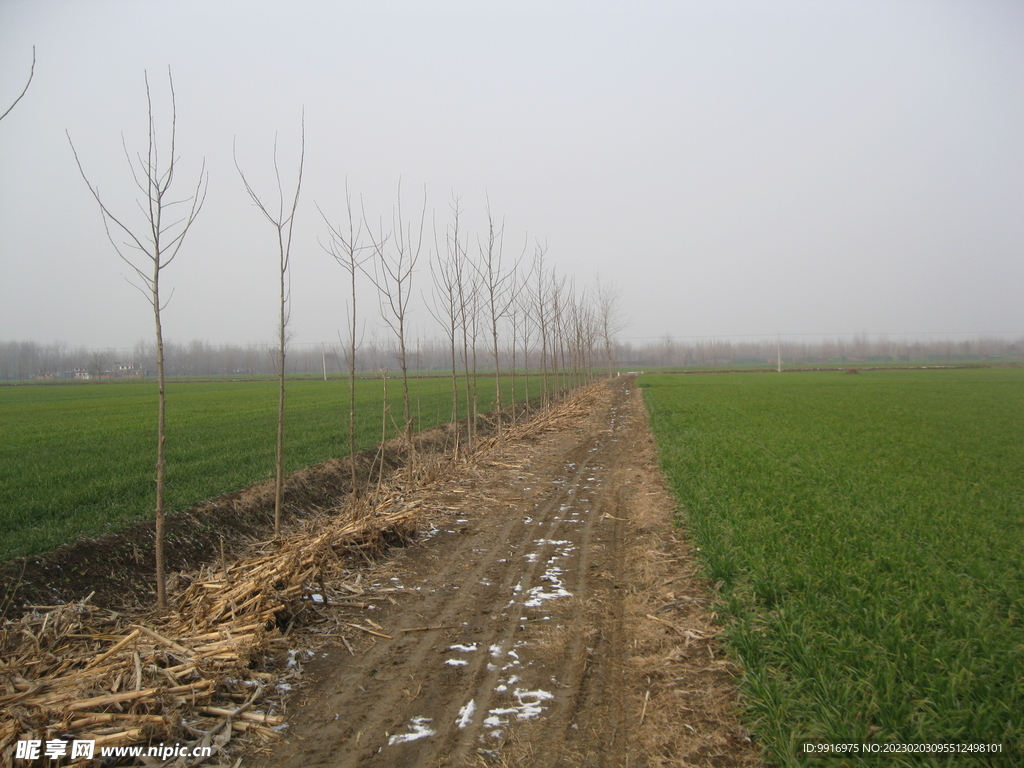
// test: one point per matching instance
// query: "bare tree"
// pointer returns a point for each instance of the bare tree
(31, 74)
(392, 275)
(345, 249)
(586, 332)
(519, 319)
(154, 244)
(542, 316)
(469, 313)
(609, 318)
(446, 274)
(557, 325)
(98, 363)
(284, 223)
(572, 328)
(498, 287)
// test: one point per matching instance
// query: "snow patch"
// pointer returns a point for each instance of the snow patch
(466, 714)
(418, 729)
(528, 706)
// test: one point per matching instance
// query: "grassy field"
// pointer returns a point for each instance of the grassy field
(79, 459)
(868, 534)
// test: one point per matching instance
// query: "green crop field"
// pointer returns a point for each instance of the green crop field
(79, 459)
(867, 533)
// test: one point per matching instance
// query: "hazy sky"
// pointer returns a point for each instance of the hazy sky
(735, 167)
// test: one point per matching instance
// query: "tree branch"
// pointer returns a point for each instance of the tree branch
(24, 90)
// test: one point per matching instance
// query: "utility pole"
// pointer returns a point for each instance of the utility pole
(778, 349)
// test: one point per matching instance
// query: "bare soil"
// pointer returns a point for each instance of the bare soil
(548, 614)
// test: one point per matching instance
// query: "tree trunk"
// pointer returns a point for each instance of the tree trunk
(161, 437)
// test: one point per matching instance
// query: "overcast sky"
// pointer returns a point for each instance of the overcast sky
(736, 168)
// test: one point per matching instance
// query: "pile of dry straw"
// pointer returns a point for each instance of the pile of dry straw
(194, 674)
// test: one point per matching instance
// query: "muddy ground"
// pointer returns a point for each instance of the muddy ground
(548, 614)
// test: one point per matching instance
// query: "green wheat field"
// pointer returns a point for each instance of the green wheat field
(79, 460)
(867, 535)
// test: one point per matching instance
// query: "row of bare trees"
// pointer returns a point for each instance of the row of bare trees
(499, 312)
(490, 299)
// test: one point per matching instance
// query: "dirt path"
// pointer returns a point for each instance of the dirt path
(549, 616)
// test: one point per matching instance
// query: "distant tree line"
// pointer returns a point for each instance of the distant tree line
(859, 348)
(30, 360)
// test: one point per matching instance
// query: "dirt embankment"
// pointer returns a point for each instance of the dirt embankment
(117, 568)
(549, 615)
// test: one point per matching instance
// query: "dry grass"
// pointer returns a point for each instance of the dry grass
(192, 674)
(686, 688)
